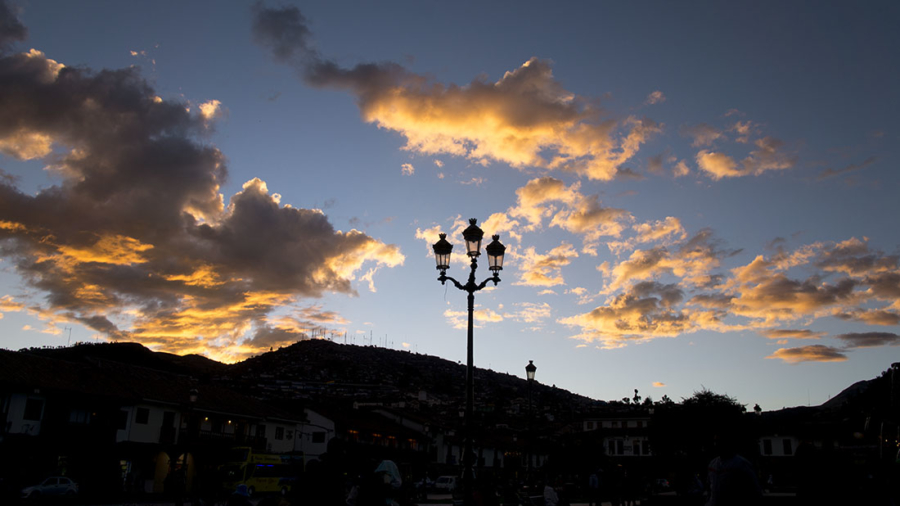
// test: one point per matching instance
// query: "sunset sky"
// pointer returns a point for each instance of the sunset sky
(692, 195)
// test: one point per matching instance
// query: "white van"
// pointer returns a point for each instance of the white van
(445, 483)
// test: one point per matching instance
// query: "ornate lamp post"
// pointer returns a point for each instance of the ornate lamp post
(530, 369)
(495, 252)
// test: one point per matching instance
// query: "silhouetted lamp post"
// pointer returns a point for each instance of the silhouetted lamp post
(192, 398)
(530, 369)
(495, 252)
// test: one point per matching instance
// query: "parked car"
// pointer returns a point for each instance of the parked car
(54, 486)
(445, 483)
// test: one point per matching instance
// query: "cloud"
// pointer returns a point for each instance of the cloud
(667, 231)
(767, 156)
(525, 119)
(459, 319)
(7, 304)
(530, 312)
(648, 310)
(702, 134)
(791, 334)
(658, 384)
(11, 29)
(656, 97)
(692, 260)
(544, 270)
(210, 110)
(869, 339)
(407, 169)
(136, 242)
(853, 167)
(813, 353)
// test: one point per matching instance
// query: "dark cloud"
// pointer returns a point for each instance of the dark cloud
(266, 337)
(712, 300)
(11, 29)
(136, 241)
(869, 339)
(284, 32)
(655, 164)
(853, 167)
(791, 334)
(669, 295)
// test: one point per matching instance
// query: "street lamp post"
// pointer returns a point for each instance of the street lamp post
(530, 369)
(192, 398)
(495, 252)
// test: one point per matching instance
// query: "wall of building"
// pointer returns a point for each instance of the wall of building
(15, 414)
(314, 435)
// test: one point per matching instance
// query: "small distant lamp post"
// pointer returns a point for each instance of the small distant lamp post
(192, 401)
(495, 251)
(530, 369)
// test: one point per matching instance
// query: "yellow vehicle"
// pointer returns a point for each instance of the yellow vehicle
(260, 472)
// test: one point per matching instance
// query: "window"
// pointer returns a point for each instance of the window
(318, 437)
(620, 447)
(639, 424)
(788, 446)
(767, 447)
(279, 433)
(142, 416)
(34, 408)
(260, 430)
(79, 416)
(612, 448)
(635, 447)
(615, 424)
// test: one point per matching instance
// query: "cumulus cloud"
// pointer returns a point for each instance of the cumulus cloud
(692, 261)
(645, 311)
(658, 384)
(767, 156)
(544, 269)
(525, 119)
(666, 231)
(136, 242)
(407, 169)
(813, 353)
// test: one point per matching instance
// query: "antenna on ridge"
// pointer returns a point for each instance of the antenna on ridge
(69, 340)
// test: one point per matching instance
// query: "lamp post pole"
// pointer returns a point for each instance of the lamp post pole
(530, 369)
(495, 252)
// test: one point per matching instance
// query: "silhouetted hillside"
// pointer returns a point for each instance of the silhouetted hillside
(135, 354)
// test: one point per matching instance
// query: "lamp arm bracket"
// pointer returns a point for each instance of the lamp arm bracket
(444, 278)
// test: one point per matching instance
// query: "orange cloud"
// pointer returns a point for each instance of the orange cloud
(544, 270)
(813, 353)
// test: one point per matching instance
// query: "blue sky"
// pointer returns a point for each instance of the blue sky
(691, 195)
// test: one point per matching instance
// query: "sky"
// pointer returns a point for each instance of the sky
(692, 195)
